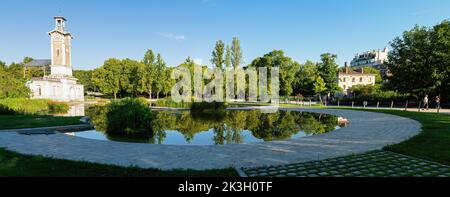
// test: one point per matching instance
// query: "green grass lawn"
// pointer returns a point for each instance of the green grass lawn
(18, 165)
(32, 121)
(433, 143)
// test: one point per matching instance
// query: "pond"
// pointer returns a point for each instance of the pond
(231, 127)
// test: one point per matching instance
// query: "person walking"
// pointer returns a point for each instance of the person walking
(438, 103)
(425, 103)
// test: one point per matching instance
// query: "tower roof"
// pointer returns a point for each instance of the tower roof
(60, 17)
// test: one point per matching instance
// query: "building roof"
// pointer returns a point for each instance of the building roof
(348, 71)
(38, 63)
(355, 73)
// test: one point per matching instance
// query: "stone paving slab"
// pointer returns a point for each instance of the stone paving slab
(372, 164)
(367, 131)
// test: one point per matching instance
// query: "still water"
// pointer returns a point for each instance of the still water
(235, 127)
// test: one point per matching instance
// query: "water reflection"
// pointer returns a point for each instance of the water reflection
(232, 127)
(75, 110)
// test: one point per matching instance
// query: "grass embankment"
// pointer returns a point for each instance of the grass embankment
(34, 121)
(433, 143)
(13, 164)
(19, 113)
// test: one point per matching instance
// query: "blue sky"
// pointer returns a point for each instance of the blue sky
(304, 29)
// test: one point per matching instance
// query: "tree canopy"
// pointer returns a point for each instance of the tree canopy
(420, 61)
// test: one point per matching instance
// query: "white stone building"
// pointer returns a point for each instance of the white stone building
(374, 58)
(60, 85)
(349, 78)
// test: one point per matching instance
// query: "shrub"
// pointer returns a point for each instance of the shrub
(128, 116)
(168, 102)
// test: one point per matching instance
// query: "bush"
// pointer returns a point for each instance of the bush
(31, 106)
(128, 116)
(168, 102)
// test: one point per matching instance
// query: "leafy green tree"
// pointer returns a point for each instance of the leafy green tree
(130, 77)
(319, 87)
(85, 78)
(328, 70)
(287, 67)
(218, 54)
(160, 75)
(420, 59)
(147, 74)
(107, 77)
(305, 78)
(168, 82)
(12, 86)
(228, 57)
(236, 53)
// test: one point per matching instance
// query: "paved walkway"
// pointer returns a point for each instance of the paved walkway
(372, 164)
(367, 131)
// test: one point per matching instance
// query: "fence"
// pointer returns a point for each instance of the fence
(379, 104)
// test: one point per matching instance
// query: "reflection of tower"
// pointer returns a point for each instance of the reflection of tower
(61, 62)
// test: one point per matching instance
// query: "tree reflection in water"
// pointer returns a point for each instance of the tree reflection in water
(227, 127)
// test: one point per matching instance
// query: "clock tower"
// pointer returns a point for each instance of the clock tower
(61, 62)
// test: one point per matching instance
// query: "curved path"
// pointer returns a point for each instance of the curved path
(367, 131)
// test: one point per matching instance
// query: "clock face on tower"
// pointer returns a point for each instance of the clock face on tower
(57, 37)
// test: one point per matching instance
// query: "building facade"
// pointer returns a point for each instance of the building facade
(349, 78)
(60, 85)
(374, 58)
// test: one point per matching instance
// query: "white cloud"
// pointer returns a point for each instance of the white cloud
(172, 36)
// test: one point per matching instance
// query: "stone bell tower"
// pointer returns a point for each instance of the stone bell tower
(61, 62)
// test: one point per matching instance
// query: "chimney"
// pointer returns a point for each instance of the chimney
(346, 67)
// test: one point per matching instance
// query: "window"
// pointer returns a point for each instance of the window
(57, 52)
(353, 79)
(39, 91)
(360, 79)
(345, 87)
(345, 80)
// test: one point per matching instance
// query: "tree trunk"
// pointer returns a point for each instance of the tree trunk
(115, 95)
(157, 95)
(150, 94)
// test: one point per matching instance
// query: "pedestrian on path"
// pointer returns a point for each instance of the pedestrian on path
(438, 102)
(425, 102)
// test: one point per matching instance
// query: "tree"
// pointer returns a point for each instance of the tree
(160, 75)
(228, 57)
(328, 70)
(305, 78)
(218, 55)
(12, 86)
(319, 87)
(287, 67)
(130, 77)
(420, 59)
(236, 53)
(168, 82)
(107, 77)
(85, 78)
(146, 73)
